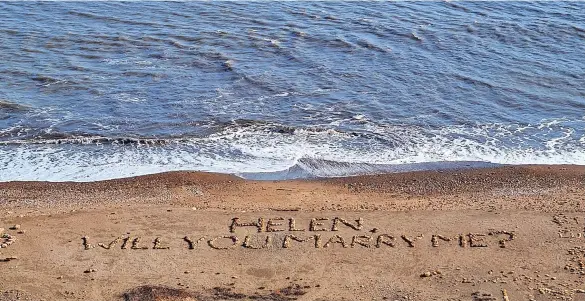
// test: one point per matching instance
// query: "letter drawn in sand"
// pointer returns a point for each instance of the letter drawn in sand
(247, 243)
(410, 241)
(475, 241)
(362, 240)
(191, 243)
(292, 225)
(271, 224)
(213, 242)
(503, 241)
(564, 233)
(136, 244)
(86, 244)
(462, 241)
(287, 240)
(6, 239)
(236, 223)
(385, 239)
(359, 223)
(125, 243)
(335, 239)
(435, 239)
(317, 225)
(111, 244)
(157, 245)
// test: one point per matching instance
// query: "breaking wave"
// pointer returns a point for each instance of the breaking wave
(261, 150)
(306, 168)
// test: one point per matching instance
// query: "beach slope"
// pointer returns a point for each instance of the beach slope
(505, 233)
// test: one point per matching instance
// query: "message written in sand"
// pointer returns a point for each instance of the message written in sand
(320, 233)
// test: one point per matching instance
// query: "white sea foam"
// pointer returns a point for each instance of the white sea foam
(257, 149)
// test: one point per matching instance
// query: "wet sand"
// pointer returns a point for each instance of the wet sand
(506, 233)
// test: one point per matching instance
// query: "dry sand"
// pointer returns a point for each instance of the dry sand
(508, 233)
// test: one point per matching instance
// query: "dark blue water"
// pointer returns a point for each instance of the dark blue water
(97, 90)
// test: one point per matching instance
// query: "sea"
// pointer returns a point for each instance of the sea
(269, 90)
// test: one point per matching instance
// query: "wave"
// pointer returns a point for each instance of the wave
(81, 140)
(546, 135)
(46, 80)
(9, 106)
(47, 136)
(264, 150)
(308, 168)
(111, 19)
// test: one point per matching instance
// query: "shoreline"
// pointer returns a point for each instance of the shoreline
(506, 183)
(469, 168)
(423, 235)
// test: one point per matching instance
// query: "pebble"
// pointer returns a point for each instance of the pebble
(15, 227)
(426, 274)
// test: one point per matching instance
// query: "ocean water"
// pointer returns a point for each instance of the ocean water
(267, 89)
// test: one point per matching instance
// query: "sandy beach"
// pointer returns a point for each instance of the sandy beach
(292, 150)
(507, 233)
